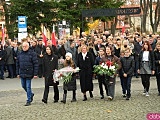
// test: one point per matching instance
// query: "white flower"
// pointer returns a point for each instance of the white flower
(112, 67)
(103, 64)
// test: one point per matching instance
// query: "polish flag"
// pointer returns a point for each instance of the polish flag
(123, 27)
(53, 36)
(44, 36)
(3, 35)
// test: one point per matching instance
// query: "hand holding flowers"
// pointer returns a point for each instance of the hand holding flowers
(64, 74)
(108, 68)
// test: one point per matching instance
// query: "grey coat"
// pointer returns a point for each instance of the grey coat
(147, 66)
(9, 55)
(74, 53)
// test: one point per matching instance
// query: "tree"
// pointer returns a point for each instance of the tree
(144, 4)
(50, 11)
(74, 9)
(154, 16)
(37, 13)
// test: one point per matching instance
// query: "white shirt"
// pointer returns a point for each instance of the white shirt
(145, 56)
(140, 43)
(84, 55)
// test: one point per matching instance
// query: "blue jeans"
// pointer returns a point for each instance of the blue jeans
(26, 85)
(127, 85)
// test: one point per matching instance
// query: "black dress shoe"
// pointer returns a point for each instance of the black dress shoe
(8, 77)
(127, 98)
(73, 100)
(85, 98)
(45, 101)
(102, 97)
(32, 97)
(91, 95)
(27, 104)
(55, 101)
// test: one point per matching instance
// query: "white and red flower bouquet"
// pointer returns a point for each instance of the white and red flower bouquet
(64, 74)
(106, 68)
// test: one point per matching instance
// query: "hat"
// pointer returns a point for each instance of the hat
(40, 39)
(69, 54)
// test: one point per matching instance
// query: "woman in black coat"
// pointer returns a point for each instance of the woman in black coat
(50, 63)
(2, 62)
(85, 64)
(157, 63)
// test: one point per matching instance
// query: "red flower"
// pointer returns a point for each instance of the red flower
(61, 75)
(108, 63)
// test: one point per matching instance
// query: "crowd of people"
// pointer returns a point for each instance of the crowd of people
(136, 55)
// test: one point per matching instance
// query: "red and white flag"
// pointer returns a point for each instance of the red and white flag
(53, 36)
(3, 35)
(123, 27)
(44, 36)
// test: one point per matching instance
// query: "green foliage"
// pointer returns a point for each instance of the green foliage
(51, 11)
(67, 78)
(105, 69)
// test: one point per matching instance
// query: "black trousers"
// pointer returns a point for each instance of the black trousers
(56, 93)
(40, 70)
(146, 81)
(101, 82)
(158, 82)
(74, 93)
(14, 70)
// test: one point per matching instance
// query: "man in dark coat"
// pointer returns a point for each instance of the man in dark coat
(9, 60)
(40, 50)
(137, 50)
(15, 54)
(2, 61)
(27, 68)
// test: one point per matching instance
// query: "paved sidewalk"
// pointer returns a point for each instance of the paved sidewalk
(12, 100)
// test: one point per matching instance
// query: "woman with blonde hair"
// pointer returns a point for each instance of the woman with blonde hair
(82, 42)
(85, 64)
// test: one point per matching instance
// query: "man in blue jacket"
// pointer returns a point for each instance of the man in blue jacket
(27, 68)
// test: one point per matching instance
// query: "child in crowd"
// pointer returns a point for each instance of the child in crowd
(121, 76)
(127, 71)
(101, 78)
(71, 85)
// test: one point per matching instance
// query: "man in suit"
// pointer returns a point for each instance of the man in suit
(137, 49)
